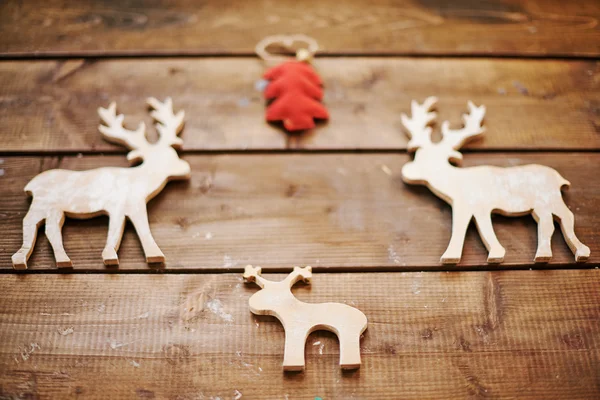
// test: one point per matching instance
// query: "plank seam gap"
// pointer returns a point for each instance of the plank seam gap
(183, 55)
(190, 271)
(66, 153)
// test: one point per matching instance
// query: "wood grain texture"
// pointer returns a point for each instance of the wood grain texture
(345, 211)
(416, 27)
(509, 334)
(50, 106)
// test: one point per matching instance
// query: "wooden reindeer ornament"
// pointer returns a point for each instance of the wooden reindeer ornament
(116, 192)
(300, 319)
(477, 192)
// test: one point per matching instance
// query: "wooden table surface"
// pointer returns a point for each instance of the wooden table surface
(332, 198)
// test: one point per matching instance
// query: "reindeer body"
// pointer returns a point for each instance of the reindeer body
(477, 192)
(300, 319)
(114, 189)
(512, 190)
(286, 308)
(117, 192)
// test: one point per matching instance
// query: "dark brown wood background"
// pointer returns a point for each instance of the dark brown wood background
(332, 198)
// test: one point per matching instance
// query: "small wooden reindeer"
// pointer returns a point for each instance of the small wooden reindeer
(477, 192)
(116, 192)
(300, 319)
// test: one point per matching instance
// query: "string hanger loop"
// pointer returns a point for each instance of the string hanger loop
(304, 47)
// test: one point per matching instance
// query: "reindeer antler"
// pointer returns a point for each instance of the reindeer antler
(304, 274)
(114, 131)
(168, 125)
(457, 138)
(252, 274)
(417, 125)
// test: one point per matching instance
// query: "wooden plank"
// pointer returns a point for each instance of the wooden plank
(325, 210)
(423, 27)
(51, 106)
(509, 334)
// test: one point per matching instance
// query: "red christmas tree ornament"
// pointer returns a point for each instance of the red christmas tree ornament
(294, 88)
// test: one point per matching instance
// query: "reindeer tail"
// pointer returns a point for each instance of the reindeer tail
(29, 187)
(37, 182)
(564, 184)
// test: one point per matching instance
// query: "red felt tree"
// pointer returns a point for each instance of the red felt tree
(296, 88)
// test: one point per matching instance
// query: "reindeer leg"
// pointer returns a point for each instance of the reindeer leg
(293, 355)
(140, 221)
(545, 231)
(460, 222)
(116, 225)
(496, 252)
(31, 223)
(349, 350)
(567, 225)
(54, 222)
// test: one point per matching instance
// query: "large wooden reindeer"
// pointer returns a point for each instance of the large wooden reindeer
(477, 192)
(299, 319)
(116, 192)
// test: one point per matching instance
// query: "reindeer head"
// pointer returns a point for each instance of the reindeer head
(162, 154)
(429, 155)
(273, 293)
